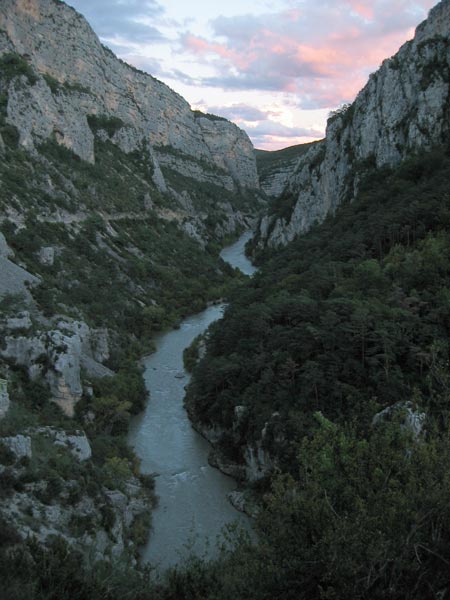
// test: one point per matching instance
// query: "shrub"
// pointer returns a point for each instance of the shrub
(13, 65)
(109, 124)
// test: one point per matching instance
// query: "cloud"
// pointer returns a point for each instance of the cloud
(270, 135)
(263, 131)
(241, 112)
(123, 23)
(270, 129)
(322, 52)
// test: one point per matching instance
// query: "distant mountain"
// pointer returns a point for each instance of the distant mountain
(275, 167)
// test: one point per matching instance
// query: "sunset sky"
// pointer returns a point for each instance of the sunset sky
(275, 68)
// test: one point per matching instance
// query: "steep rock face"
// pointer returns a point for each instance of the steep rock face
(275, 168)
(83, 78)
(274, 184)
(404, 107)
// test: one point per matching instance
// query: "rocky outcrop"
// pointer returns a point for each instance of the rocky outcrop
(15, 279)
(77, 77)
(275, 182)
(4, 398)
(76, 443)
(19, 445)
(404, 108)
(411, 419)
(256, 462)
(58, 355)
(275, 168)
(96, 519)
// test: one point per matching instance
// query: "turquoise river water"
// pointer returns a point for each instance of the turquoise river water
(193, 507)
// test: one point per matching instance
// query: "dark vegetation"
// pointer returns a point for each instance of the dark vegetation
(270, 160)
(198, 114)
(191, 354)
(13, 65)
(349, 319)
(151, 286)
(109, 124)
(139, 275)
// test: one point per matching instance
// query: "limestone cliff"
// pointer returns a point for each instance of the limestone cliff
(405, 107)
(276, 167)
(78, 77)
(61, 85)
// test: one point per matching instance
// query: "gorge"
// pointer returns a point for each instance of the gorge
(322, 381)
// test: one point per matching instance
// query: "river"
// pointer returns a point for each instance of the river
(193, 507)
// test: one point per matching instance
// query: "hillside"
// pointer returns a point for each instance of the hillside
(115, 200)
(325, 390)
(115, 197)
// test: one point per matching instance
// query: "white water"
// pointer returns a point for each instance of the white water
(193, 507)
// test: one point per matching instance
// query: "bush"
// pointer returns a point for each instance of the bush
(7, 456)
(109, 124)
(13, 65)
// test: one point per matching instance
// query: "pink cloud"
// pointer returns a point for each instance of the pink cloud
(322, 53)
(364, 9)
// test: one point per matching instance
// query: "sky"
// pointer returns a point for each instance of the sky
(275, 68)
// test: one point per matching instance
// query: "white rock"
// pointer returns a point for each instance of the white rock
(19, 444)
(22, 321)
(5, 250)
(4, 398)
(153, 115)
(47, 256)
(413, 420)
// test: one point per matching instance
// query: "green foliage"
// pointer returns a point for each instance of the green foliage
(109, 124)
(140, 528)
(116, 473)
(338, 320)
(137, 278)
(347, 320)
(191, 354)
(198, 114)
(11, 304)
(59, 573)
(360, 518)
(52, 83)
(345, 112)
(10, 135)
(284, 205)
(7, 457)
(31, 395)
(13, 65)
